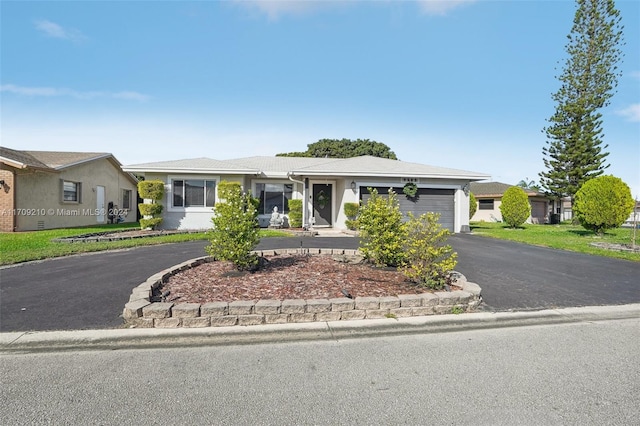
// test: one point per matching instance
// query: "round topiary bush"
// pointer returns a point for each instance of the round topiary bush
(515, 207)
(603, 203)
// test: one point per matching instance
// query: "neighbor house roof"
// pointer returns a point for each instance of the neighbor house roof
(291, 166)
(21, 159)
(53, 161)
(496, 189)
(61, 160)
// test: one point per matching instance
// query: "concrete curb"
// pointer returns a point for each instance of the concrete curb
(47, 341)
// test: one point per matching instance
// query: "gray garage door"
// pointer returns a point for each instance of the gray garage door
(427, 200)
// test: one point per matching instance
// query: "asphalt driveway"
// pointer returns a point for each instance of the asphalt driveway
(89, 291)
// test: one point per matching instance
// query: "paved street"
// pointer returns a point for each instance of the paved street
(583, 373)
(89, 291)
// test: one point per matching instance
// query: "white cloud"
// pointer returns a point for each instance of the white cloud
(274, 9)
(441, 7)
(53, 30)
(635, 74)
(52, 91)
(632, 112)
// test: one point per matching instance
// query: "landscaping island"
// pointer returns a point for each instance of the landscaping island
(296, 285)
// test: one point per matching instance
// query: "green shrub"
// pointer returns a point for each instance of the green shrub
(429, 261)
(603, 203)
(151, 189)
(473, 205)
(295, 213)
(515, 207)
(351, 225)
(150, 209)
(150, 223)
(236, 232)
(382, 232)
(226, 188)
(351, 210)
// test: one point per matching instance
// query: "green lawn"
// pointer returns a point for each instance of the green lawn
(564, 237)
(16, 247)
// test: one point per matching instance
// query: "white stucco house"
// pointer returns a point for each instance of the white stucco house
(325, 183)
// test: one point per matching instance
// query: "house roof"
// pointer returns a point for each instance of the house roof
(496, 189)
(193, 165)
(285, 166)
(367, 165)
(53, 161)
(61, 160)
(21, 159)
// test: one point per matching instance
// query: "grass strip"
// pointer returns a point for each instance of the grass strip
(17, 247)
(565, 237)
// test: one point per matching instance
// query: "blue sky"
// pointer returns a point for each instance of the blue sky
(463, 84)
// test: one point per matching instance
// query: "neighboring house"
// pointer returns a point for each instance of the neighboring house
(325, 183)
(45, 190)
(489, 198)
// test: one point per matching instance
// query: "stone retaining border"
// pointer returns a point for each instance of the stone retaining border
(102, 236)
(141, 312)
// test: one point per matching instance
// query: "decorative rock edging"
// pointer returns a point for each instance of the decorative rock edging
(141, 312)
(107, 236)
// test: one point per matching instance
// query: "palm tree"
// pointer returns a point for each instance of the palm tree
(527, 183)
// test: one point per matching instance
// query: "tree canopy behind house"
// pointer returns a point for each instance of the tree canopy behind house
(343, 148)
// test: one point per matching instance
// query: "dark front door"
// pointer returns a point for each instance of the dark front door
(322, 204)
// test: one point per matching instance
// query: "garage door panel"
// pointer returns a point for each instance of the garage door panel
(427, 200)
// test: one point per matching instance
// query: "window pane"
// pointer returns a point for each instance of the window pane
(211, 193)
(288, 193)
(260, 195)
(178, 190)
(70, 191)
(126, 199)
(194, 193)
(485, 204)
(273, 197)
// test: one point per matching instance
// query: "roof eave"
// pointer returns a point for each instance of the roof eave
(22, 166)
(389, 175)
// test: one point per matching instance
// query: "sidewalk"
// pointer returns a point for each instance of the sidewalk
(45, 341)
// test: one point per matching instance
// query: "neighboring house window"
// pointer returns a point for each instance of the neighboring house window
(126, 199)
(71, 191)
(194, 193)
(485, 204)
(274, 195)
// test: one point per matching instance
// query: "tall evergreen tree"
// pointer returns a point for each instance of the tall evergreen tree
(574, 153)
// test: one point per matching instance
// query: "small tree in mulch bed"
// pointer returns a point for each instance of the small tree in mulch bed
(236, 231)
(382, 231)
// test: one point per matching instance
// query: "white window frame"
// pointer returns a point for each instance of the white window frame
(169, 194)
(295, 194)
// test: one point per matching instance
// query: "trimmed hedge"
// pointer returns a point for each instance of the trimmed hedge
(295, 213)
